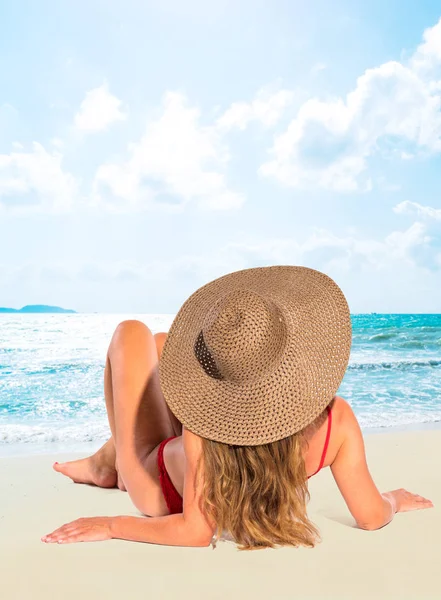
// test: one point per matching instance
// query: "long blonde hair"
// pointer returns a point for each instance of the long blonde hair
(258, 493)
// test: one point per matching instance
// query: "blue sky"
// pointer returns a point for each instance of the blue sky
(147, 147)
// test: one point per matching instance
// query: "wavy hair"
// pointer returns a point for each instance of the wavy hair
(258, 493)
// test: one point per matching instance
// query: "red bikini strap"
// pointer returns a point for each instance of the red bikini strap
(325, 448)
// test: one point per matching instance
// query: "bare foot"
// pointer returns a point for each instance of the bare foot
(89, 470)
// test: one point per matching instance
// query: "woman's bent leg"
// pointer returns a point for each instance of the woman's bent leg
(141, 415)
(141, 419)
(138, 415)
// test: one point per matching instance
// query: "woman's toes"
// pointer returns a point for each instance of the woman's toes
(61, 467)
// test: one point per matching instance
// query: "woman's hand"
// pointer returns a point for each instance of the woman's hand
(402, 500)
(91, 529)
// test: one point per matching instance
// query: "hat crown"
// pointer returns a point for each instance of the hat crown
(242, 337)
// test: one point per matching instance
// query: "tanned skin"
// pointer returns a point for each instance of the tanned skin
(140, 419)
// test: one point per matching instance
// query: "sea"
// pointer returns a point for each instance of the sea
(52, 368)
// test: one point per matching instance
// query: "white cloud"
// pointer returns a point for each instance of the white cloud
(267, 108)
(400, 271)
(176, 161)
(416, 246)
(412, 208)
(428, 54)
(354, 252)
(329, 143)
(98, 110)
(39, 175)
(400, 243)
(423, 240)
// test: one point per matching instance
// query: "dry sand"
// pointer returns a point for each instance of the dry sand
(402, 560)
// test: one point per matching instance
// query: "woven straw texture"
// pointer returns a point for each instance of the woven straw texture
(256, 355)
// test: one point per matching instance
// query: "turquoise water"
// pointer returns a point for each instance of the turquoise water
(51, 375)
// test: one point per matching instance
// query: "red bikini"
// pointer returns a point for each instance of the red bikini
(173, 498)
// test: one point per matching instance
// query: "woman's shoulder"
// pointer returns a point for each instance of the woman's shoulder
(341, 409)
(344, 421)
(342, 413)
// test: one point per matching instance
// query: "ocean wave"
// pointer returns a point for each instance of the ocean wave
(54, 369)
(416, 344)
(379, 337)
(398, 339)
(399, 364)
(400, 419)
(11, 433)
(83, 367)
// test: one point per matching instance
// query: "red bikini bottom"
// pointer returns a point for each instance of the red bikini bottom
(171, 495)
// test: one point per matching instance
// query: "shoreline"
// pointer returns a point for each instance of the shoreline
(49, 448)
(426, 426)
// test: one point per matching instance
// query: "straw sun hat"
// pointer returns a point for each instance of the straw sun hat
(256, 355)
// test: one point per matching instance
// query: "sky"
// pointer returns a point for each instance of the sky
(150, 146)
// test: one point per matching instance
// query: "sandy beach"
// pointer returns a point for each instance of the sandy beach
(401, 560)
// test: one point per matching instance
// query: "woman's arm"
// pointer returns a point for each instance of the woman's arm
(370, 509)
(189, 528)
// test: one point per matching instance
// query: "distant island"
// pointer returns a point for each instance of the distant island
(37, 308)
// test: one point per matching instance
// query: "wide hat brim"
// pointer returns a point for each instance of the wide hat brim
(289, 396)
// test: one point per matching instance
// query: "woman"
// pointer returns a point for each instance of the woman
(217, 426)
